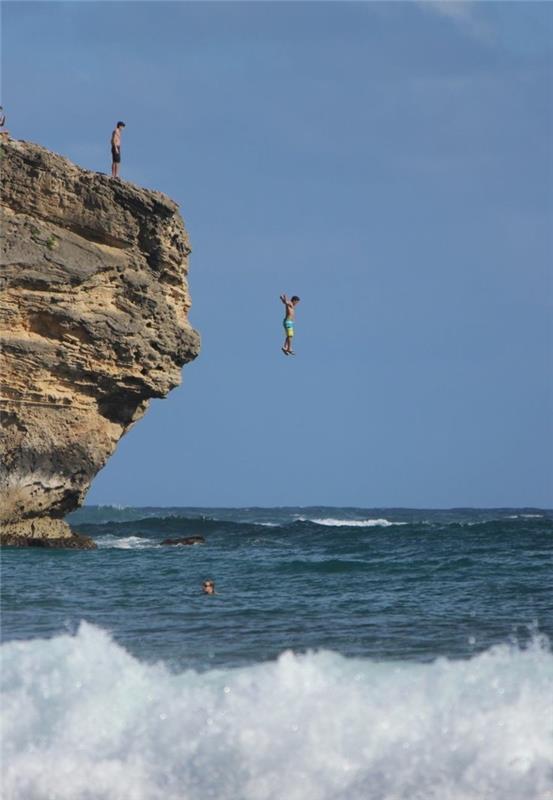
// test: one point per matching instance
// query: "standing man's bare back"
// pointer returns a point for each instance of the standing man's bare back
(116, 149)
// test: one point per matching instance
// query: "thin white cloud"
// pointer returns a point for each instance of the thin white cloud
(463, 13)
(460, 10)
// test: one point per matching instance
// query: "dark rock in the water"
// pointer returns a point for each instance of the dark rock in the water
(186, 540)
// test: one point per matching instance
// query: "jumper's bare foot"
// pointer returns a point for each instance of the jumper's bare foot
(291, 353)
(285, 351)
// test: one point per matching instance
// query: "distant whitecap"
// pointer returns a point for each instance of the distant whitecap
(354, 523)
(125, 542)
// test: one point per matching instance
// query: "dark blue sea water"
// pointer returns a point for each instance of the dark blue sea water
(366, 653)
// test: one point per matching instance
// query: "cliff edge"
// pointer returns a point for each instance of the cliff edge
(93, 316)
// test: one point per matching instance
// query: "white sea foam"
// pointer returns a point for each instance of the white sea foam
(125, 542)
(84, 720)
(353, 523)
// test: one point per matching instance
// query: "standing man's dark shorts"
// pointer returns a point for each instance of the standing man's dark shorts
(115, 155)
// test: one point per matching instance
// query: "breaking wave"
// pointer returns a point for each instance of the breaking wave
(354, 523)
(85, 720)
(125, 542)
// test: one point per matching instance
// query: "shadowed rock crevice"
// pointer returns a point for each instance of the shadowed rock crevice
(94, 324)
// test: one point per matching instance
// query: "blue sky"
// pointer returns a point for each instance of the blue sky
(392, 164)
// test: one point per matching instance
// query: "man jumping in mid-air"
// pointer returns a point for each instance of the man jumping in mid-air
(289, 323)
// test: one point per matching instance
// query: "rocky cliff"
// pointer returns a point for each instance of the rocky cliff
(93, 314)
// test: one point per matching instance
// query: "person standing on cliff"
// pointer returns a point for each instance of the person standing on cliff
(4, 134)
(288, 322)
(116, 149)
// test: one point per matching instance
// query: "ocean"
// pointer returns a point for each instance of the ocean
(367, 654)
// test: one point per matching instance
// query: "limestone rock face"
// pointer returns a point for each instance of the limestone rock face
(93, 314)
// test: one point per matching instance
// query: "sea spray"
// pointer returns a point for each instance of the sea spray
(84, 720)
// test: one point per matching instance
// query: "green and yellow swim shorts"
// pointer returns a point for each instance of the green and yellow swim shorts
(289, 327)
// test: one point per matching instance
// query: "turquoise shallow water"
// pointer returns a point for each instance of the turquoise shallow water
(379, 654)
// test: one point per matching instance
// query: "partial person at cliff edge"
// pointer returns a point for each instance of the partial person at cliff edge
(116, 149)
(3, 132)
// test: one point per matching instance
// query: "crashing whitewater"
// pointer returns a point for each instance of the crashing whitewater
(84, 720)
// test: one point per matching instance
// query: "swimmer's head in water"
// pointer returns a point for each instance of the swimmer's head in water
(208, 587)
